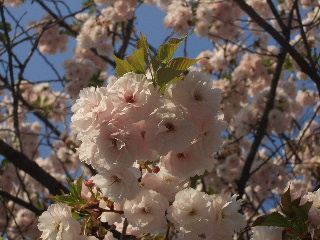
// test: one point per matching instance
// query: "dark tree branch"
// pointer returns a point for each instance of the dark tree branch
(43, 118)
(245, 175)
(21, 202)
(63, 24)
(276, 14)
(303, 36)
(60, 21)
(126, 34)
(22, 162)
(124, 229)
(300, 60)
(14, 89)
(263, 124)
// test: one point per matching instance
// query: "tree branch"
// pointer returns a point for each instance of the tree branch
(22, 162)
(124, 229)
(21, 202)
(276, 14)
(63, 24)
(300, 60)
(245, 175)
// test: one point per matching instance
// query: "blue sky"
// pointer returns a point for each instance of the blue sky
(149, 21)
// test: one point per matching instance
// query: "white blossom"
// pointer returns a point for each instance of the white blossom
(147, 211)
(57, 223)
(118, 184)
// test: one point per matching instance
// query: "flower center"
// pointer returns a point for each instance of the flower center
(197, 97)
(146, 209)
(192, 212)
(170, 127)
(115, 179)
(181, 155)
(129, 98)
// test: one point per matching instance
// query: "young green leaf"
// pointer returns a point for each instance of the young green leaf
(143, 43)
(274, 219)
(123, 67)
(175, 80)
(6, 26)
(95, 80)
(303, 211)
(182, 63)
(167, 50)
(2, 37)
(73, 191)
(67, 199)
(137, 60)
(5, 162)
(286, 204)
(155, 63)
(79, 184)
(165, 75)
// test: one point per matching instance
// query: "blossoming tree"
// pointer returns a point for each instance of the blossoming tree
(152, 145)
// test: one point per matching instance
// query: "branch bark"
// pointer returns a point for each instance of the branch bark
(22, 162)
(245, 175)
(63, 24)
(300, 60)
(21, 202)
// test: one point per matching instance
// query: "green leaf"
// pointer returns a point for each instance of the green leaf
(167, 50)
(37, 103)
(67, 199)
(73, 190)
(41, 206)
(155, 63)
(270, 71)
(95, 80)
(182, 63)
(165, 75)
(143, 43)
(79, 184)
(5, 162)
(296, 202)
(177, 40)
(212, 191)
(274, 219)
(303, 210)
(76, 216)
(66, 32)
(92, 8)
(123, 67)
(288, 65)
(137, 60)
(286, 202)
(6, 25)
(267, 62)
(3, 37)
(175, 80)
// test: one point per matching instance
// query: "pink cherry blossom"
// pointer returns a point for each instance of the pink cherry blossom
(147, 211)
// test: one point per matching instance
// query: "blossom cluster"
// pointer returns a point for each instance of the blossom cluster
(13, 3)
(128, 128)
(87, 67)
(51, 40)
(151, 148)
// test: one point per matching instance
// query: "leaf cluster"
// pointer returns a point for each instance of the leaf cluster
(75, 193)
(294, 218)
(4, 27)
(162, 67)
